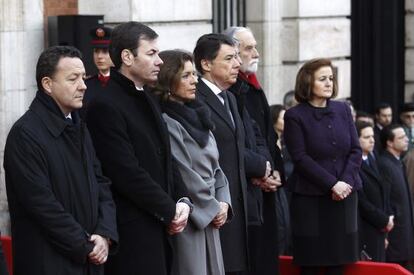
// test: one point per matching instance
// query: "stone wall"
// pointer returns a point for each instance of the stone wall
(409, 52)
(179, 23)
(290, 32)
(21, 41)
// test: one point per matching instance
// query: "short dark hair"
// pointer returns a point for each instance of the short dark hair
(275, 111)
(381, 106)
(49, 59)
(305, 79)
(170, 72)
(360, 125)
(387, 134)
(208, 46)
(407, 107)
(127, 36)
(360, 113)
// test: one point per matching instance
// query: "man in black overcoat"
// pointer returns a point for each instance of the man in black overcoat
(216, 59)
(62, 213)
(401, 238)
(132, 142)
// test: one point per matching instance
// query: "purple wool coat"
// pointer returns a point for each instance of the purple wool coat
(324, 146)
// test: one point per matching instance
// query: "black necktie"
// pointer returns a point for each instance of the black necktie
(223, 94)
(69, 120)
(367, 162)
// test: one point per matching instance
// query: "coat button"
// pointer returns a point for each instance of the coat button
(160, 151)
(240, 198)
(334, 159)
(329, 126)
(333, 142)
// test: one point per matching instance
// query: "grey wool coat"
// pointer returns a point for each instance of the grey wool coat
(197, 248)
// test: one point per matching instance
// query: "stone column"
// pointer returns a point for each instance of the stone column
(409, 51)
(179, 23)
(290, 32)
(21, 41)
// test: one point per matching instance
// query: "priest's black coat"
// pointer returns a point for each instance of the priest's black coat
(56, 193)
(132, 143)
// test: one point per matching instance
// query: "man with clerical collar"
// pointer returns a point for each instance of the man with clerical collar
(132, 143)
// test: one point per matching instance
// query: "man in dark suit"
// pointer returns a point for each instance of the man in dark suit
(263, 232)
(383, 117)
(216, 59)
(132, 143)
(373, 198)
(401, 238)
(61, 209)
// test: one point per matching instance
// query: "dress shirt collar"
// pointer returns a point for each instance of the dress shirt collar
(216, 90)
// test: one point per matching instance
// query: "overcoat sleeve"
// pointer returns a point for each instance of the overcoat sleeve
(116, 153)
(387, 177)
(107, 214)
(255, 156)
(27, 168)
(368, 211)
(206, 206)
(296, 145)
(350, 173)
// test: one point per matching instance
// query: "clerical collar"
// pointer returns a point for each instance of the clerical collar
(364, 157)
(69, 116)
(139, 88)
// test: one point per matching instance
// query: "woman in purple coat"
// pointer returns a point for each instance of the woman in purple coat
(321, 138)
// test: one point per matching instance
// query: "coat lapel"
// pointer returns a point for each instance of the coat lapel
(214, 103)
(371, 169)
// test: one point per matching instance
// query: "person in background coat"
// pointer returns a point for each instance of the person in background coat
(373, 198)
(193, 146)
(401, 238)
(383, 117)
(216, 59)
(131, 140)
(61, 209)
(321, 138)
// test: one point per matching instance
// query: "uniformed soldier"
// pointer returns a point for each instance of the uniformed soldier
(101, 38)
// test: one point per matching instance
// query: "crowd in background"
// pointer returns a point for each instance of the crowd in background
(174, 163)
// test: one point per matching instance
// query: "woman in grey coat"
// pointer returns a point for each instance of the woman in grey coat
(197, 249)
